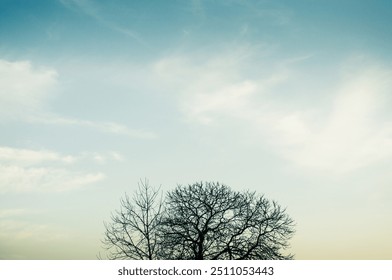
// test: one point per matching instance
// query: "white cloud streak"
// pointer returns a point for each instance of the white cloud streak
(26, 171)
(23, 89)
(31, 157)
(93, 10)
(18, 179)
(213, 86)
(25, 93)
(352, 131)
(353, 135)
(104, 127)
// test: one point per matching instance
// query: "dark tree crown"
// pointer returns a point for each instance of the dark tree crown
(206, 221)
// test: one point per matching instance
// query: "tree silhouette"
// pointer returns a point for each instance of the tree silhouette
(208, 221)
(133, 232)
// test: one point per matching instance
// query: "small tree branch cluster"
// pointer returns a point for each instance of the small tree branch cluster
(133, 232)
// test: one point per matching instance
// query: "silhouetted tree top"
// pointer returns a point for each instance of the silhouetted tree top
(133, 232)
(204, 220)
(211, 221)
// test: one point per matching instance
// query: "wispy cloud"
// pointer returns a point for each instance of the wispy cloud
(212, 85)
(105, 127)
(30, 157)
(356, 131)
(19, 179)
(25, 95)
(349, 131)
(23, 170)
(24, 89)
(97, 12)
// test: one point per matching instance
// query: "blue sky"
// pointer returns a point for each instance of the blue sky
(288, 98)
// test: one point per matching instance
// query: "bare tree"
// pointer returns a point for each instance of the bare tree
(132, 233)
(210, 221)
(199, 221)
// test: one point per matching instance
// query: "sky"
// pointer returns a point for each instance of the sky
(291, 99)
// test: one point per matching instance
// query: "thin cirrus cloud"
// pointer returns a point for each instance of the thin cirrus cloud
(349, 131)
(105, 127)
(356, 131)
(18, 179)
(94, 10)
(30, 157)
(29, 171)
(27, 101)
(206, 89)
(23, 89)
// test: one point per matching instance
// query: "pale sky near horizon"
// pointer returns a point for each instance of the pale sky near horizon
(291, 99)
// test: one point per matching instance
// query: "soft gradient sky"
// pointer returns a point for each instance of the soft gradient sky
(289, 98)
